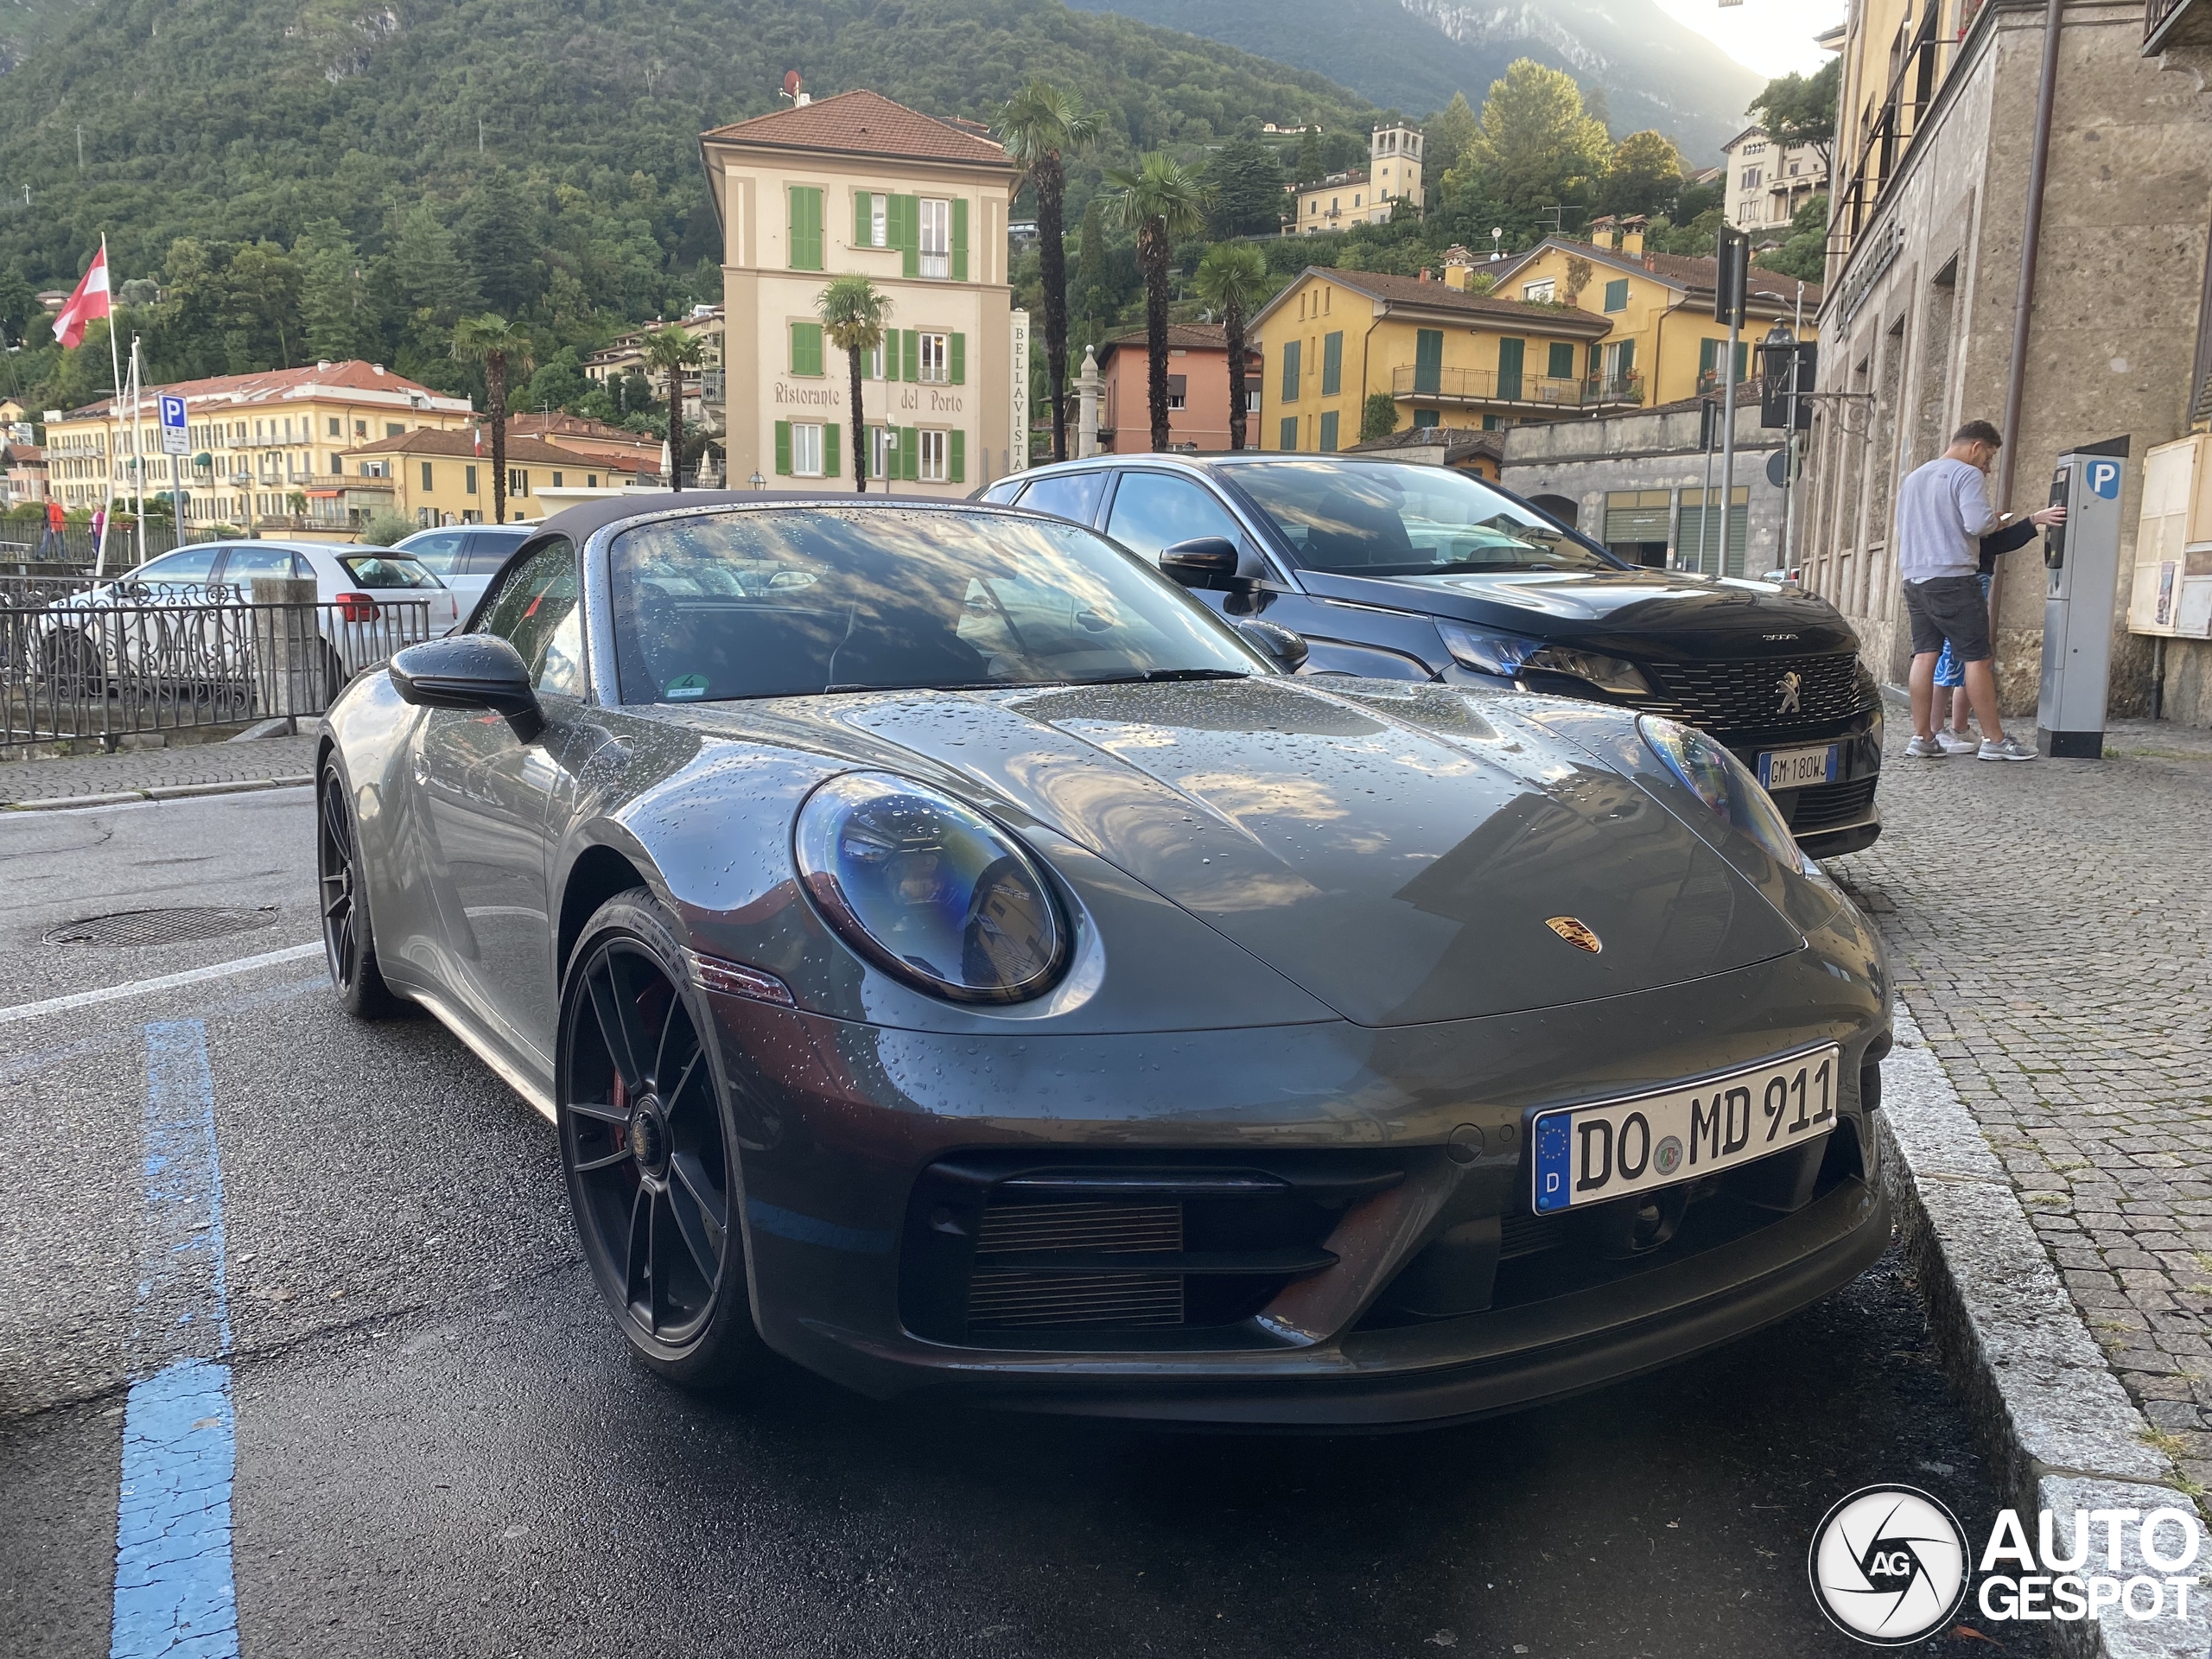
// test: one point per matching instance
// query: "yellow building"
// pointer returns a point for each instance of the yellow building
(266, 448)
(1369, 195)
(445, 478)
(1661, 344)
(1333, 339)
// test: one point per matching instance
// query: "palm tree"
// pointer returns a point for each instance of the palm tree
(669, 352)
(503, 349)
(853, 310)
(1232, 278)
(1161, 199)
(1041, 126)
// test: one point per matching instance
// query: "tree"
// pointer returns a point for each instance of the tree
(1378, 417)
(501, 349)
(1310, 170)
(1645, 175)
(1804, 255)
(497, 228)
(1801, 110)
(435, 290)
(1232, 278)
(669, 352)
(1535, 145)
(1448, 137)
(852, 311)
(333, 297)
(1161, 199)
(1041, 126)
(1248, 189)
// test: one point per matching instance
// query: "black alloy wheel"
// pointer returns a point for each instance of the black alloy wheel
(647, 1148)
(347, 941)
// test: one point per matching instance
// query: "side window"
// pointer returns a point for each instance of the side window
(486, 554)
(1071, 495)
(247, 562)
(189, 566)
(1157, 510)
(535, 610)
(439, 552)
(1004, 491)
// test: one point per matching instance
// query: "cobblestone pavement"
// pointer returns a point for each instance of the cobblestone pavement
(199, 762)
(2049, 927)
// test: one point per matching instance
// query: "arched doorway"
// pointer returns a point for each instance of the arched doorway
(1568, 511)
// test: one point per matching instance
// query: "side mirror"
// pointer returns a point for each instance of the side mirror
(1211, 562)
(1287, 650)
(469, 670)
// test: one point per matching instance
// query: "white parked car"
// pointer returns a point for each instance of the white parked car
(466, 557)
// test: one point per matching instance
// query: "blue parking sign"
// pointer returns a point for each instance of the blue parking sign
(176, 435)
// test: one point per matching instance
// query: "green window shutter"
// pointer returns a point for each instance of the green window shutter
(903, 223)
(806, 348)
(1617, 295)
(1597, 359)
(1428, 361)
(1707, 350)
(1627, 357)
(830, 466)
(911, 454)
(805, 222)
(1329, 431)
(1743, 361)
(783, 448)
(1561, 366)
(1512, 354)
(868, 451)
(959, 242)
(956, 359)
(1289, 438)
(910, 354)
(955, 455)
(1332, 366)
(863, 216)
(1290, 372)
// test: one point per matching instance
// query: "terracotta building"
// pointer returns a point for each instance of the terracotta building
(1198, 390)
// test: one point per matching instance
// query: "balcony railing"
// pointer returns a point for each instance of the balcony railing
(1520, 391)
(2158, 15)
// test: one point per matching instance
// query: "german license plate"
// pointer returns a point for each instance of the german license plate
(1795, 768)
(1586, 1154)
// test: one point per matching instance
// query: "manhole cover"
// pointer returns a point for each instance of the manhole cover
(163, 926)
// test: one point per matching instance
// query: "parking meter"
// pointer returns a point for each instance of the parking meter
(2082, 571)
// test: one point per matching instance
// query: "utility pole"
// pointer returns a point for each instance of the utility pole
(479, 135)
(1730, 281)
(81, 146)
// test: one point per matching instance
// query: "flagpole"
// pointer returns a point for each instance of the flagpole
(138, 450)
(115, 454)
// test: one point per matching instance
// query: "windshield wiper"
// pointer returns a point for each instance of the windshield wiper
(1161, 676)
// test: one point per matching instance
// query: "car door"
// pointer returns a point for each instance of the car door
(1151, 511)
(488, 800)
(442, 553)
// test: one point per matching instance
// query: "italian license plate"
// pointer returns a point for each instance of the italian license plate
(1795, 768)
(1586, 1154)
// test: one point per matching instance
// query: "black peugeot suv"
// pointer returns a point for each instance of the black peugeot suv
(1397, 571)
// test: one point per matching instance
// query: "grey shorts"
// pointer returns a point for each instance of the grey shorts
(1948, 608)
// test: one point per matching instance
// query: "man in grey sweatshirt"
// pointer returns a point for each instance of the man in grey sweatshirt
(1944, 511)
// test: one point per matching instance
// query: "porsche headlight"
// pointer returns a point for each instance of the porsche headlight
(1724, 783)
(1509, 656)
(929, 889)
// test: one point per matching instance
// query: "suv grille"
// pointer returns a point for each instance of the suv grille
(1717, 696)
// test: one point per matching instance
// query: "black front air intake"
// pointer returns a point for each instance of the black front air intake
(1005, 1294)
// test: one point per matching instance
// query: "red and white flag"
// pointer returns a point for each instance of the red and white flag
(477, 433)
(90, 301)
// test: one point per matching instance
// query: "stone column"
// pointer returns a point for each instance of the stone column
(291, 669)
(1088, 385)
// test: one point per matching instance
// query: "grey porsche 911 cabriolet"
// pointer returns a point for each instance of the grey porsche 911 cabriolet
(955, 959)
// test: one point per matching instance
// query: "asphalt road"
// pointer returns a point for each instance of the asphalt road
(441, 1447)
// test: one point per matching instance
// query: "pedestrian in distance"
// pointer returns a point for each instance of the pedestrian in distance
(1950, 673)
(1944, 511)
(50, 543)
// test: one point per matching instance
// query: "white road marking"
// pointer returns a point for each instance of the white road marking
(165, 982)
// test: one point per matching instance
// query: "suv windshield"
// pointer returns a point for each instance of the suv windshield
(1382, 519)
(771, 603)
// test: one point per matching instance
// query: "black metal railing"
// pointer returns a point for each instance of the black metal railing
(86, 668)
(2156, 14)
(1521, 391)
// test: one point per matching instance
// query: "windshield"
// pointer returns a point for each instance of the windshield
(389, 570)
(770, 604)
(1380, 519)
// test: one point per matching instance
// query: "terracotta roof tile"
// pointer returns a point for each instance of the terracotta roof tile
(1411, 290)
(462, 446)
(867, 123)
(277, 385)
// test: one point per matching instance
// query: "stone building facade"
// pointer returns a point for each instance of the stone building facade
(1933, 160)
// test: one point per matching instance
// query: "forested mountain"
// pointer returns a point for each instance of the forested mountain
(1414, 54)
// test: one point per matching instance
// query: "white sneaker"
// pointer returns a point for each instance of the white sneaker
(1956, 742)
(1925, 747)
(2007, 748)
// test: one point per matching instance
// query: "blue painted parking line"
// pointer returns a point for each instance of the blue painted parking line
(174, 1595)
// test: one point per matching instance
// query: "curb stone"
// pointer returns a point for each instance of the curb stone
(159, 792)
(2064, 1432)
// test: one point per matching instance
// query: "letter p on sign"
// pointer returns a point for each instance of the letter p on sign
(2104, 479)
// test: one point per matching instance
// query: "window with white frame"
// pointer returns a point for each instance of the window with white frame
(1750, 179)
(936, 356)
(806, 449)
(883, 451)
(934, 468)
(1540, 293)
(936, 237)
(879, 220)
(872, 362)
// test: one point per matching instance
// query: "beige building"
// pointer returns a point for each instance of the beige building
(1768, 182)
(267, 449)
(855, 184)
(703, 386)
(1391, 180)
(1938, 115)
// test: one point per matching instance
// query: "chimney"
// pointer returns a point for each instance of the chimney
(1456, 275)
(1650, 263)
(1424, 273)
(1633, 241)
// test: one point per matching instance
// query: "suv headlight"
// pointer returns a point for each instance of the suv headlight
(1724, 783)
(929, 890)
(1509, 655)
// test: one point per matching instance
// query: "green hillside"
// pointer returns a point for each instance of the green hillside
(235, 120)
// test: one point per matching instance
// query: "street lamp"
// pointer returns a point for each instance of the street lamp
(757, 481)
(1497, 238)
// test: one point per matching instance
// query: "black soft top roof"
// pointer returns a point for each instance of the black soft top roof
(591, 516)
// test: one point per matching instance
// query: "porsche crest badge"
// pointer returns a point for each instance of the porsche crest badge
(1576, 932)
